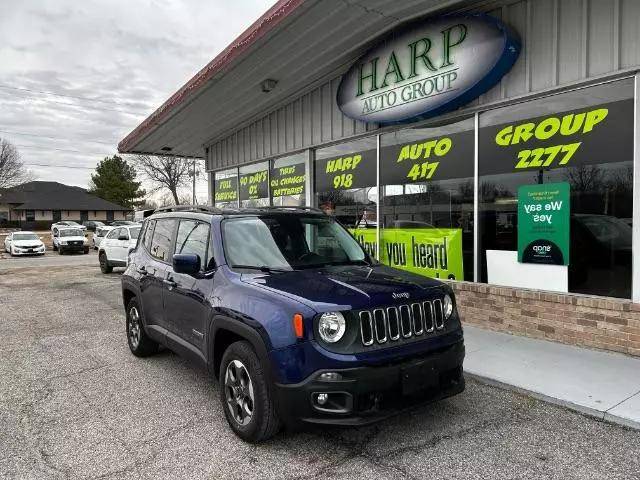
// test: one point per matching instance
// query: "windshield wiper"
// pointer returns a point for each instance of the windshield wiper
(262, 268)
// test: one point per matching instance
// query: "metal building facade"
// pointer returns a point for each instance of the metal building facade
(565, 43)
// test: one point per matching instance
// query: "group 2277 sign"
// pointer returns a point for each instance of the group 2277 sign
(432, 252)
(543, 223)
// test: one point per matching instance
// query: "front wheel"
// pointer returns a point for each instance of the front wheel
(60, 252)
(139, 343)
(245, 394)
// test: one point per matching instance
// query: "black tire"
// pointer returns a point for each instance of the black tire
(86, 250)
(55, 248)
(263, 423)
(104, 263)
(140, 344)
(60, 252)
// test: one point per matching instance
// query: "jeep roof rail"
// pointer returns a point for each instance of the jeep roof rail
(291, 207)
(188, 208)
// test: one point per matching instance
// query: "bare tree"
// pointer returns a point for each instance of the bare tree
(165, 172)
(12, 170)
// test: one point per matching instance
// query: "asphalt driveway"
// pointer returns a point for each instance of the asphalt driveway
(74, 403)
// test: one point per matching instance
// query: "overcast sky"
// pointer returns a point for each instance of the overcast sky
(120, 58)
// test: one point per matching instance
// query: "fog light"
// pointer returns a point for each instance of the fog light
(322, 398)
(330, 377)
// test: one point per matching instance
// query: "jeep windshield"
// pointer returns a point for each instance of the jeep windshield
(71, 232)
(288, 242)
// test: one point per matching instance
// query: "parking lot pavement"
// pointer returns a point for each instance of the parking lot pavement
(74, 403)
(49, 259)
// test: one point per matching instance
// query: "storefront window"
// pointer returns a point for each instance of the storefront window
(427, 200)
(556, 190)
(288, 180)
(253, 184)
(225, 188)
(345, 177)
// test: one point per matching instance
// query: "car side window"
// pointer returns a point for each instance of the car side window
(113, 234)
(162, 237)
(148, 234)
(193, 238)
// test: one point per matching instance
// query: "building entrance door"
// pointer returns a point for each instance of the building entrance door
(57, 216)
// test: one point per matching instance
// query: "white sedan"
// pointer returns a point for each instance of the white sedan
(23, 243)
(114, 249)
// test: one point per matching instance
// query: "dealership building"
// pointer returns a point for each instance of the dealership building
(491, 144)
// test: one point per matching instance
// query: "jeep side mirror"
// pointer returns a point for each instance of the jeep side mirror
(187, 263)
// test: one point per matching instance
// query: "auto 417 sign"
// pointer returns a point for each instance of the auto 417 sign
(428, 68)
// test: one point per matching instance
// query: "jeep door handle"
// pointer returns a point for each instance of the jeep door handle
(170, 283)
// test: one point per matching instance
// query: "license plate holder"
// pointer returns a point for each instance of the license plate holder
(419, 376)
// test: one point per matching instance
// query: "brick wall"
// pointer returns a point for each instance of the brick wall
(604, 323)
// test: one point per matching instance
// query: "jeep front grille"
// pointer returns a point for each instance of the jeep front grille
(381, 325)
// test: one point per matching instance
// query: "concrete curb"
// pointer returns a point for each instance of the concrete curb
(590, 412)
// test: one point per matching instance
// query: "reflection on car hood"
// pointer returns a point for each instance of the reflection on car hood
(72, 239)
(352, 287)
(26, 243)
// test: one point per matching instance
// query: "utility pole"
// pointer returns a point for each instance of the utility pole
(195, 202)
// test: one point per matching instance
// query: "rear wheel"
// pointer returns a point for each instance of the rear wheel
(139, 342)
(104, 263)
(245, 394)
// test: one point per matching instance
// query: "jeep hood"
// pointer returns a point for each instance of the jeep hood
(345, 287)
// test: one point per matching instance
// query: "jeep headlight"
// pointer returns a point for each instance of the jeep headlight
(447, 306)
(331, 326)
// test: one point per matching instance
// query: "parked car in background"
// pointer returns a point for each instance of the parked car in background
(115, 247)
(68, 223)
(119, 223)
(23, 243)
(99, 235)
(69, 239)
(92, 225)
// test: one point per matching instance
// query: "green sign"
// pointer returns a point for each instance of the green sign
(432, 252)
(225, 189)
(254, 185)
(289, 180)
(543, 223)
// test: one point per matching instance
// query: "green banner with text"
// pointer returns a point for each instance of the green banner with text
(543, 223)
(432, 252)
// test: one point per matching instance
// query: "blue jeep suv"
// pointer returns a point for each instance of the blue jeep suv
(293, 318)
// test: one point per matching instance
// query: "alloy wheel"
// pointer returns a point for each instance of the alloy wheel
(239, 392)
(134, 327)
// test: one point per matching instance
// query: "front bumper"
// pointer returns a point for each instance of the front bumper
(371, 393)
(30, 251)
(74, 248)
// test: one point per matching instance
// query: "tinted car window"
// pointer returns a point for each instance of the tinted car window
(114, 234)
(193, 238)
(148, 234)
(162, 236)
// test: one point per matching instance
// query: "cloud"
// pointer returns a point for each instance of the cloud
(128, 57)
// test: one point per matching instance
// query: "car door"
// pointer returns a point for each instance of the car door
(153, 273)
(186, 296)
(122, 245)
(110, 243)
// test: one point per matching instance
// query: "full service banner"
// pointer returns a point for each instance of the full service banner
(543, 223)
(597, 134)
(431, 252)
(254, 185)
(226, 189)
(352, 170)
(289, 180)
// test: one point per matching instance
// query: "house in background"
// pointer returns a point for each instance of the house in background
(36, 205)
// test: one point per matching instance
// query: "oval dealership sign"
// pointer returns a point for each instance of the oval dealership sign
(428, 68)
